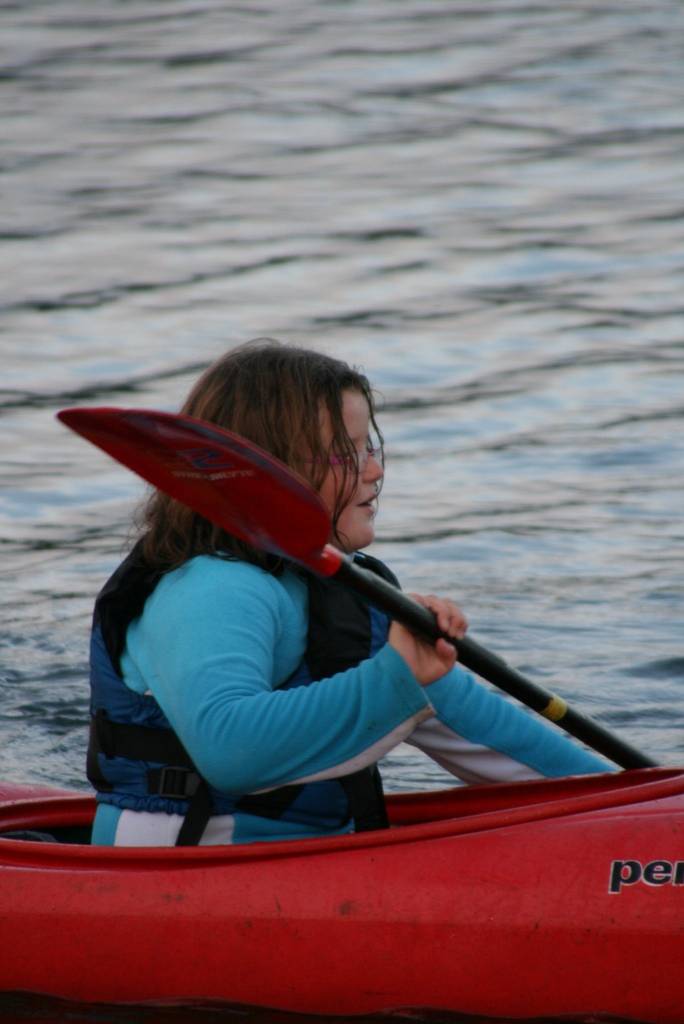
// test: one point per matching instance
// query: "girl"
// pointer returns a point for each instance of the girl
(236, 698)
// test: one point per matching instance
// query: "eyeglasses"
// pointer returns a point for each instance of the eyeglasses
(358, 461)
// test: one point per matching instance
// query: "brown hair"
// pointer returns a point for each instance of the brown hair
(271, 394)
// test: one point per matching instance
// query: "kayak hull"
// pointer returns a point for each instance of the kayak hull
(551, 899)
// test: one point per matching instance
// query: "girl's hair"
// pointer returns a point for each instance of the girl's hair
(271, 394)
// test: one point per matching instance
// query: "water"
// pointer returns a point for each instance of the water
(481, 204)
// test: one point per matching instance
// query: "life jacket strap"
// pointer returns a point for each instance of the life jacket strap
(138, 742)
(197, 816)
(172, 782)
(178, 778)
(271, 804)
(364, 792)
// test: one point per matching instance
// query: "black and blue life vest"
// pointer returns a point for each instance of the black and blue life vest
(136, 760)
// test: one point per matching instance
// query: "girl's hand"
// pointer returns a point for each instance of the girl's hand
(429, 661)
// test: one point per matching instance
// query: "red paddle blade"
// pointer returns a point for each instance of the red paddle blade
(228, 480)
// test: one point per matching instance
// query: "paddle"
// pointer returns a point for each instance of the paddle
(257, 498)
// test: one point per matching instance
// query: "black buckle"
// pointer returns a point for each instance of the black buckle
(175, 783)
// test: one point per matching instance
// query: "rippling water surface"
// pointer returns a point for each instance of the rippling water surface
(481, 204)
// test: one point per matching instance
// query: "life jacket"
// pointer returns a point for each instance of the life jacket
(136, 760)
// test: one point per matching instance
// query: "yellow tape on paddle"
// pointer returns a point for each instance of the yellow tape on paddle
(555, 709)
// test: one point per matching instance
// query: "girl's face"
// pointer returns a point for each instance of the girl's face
(355, 528)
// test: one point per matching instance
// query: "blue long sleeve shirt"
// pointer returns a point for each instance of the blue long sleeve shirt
(218, 637)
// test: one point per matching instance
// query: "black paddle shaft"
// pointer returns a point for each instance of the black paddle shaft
(421, 620)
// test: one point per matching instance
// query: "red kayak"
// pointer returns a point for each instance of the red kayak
(553, 899)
